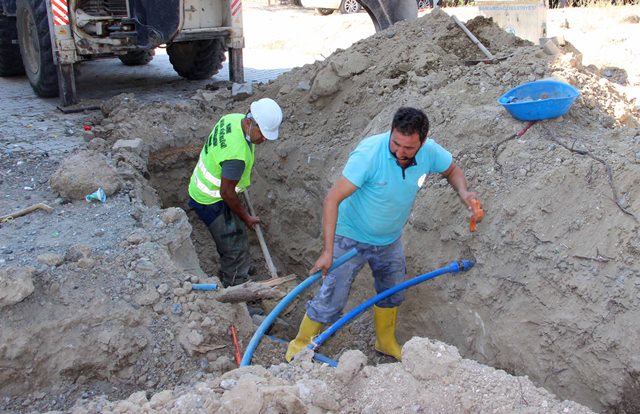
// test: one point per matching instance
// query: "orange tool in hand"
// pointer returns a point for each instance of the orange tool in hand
(477, 214)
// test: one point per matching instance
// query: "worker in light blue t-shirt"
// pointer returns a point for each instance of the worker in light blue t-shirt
(366, 209)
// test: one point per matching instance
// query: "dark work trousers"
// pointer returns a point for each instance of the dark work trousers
(232, 242)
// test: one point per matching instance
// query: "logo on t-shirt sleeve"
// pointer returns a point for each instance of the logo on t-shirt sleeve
(421, 180)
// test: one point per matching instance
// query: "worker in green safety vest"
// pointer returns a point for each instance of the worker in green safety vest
(222, 172)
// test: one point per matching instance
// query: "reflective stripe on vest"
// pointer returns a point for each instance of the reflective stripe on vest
(204, 189)
(202, 186)
(207, 175)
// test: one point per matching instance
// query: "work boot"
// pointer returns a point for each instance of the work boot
(384, 320)
(308, 329)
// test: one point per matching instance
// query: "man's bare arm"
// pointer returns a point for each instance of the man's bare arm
(342, 189)
(229, 195)
(457, 180)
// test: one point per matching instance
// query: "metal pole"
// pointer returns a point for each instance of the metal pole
(236, 67)
(473, 38)
(67, 84)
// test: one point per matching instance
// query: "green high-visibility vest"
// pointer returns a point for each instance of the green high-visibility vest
(225, 142)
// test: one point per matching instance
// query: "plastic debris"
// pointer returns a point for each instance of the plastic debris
(98, 195)
(176, 309)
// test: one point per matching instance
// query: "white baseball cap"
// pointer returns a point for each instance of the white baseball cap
(268, 115)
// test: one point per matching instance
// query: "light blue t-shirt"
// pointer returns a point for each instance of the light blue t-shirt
(378, 210)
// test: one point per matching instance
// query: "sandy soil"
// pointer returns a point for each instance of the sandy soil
(96, 300)
(318, 36)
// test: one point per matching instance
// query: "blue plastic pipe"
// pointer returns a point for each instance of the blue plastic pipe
(204, 286)
(454, 267)
(317, 356)
(257, 336)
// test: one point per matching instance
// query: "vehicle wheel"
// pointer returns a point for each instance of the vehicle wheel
(325, 12)
(349, 6)
(10, 60)
(197, 59)
(138, 57)
(424, 4)
(35, 47)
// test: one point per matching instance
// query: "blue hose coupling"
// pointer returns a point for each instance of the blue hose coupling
(465, 265)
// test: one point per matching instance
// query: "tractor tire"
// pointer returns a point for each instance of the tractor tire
(35, 47)
(325, 12)
(197, 59)
(349, 6)
(10, 60)
(138, 57)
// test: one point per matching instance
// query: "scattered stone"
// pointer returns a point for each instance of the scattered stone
(429, 360)
(77, 252)
(136, 238)
(304, 85)
(51, 259)
(97, 144)
(163, 288)
(172, 215)
(147, 297)
(176, 309)
(195, 338)
(145, 265)
(160, 399)
(134, 145)
(82, 174)
(16, 283)
(86, 263)
(350, 364)
(241, 90)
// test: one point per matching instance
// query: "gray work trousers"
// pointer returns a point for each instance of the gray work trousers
(389, 268)
(232, 243)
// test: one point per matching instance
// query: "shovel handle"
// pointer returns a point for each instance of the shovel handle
(273, 272)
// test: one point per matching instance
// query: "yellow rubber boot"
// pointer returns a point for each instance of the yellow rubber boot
(308, 329)
(384, 320)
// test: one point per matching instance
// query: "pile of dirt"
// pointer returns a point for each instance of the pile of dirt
(431, 378)
(554, 294)
(112, 313)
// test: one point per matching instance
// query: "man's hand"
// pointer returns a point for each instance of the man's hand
(251, 221)
(323, 263)
(467, 196)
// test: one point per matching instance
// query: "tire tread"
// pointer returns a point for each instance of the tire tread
(10, 59)
(44, 84)
(198, 59)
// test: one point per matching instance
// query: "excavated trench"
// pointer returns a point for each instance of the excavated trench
(552, 294)
(166, 179)
(170, 180)
(476, 311)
